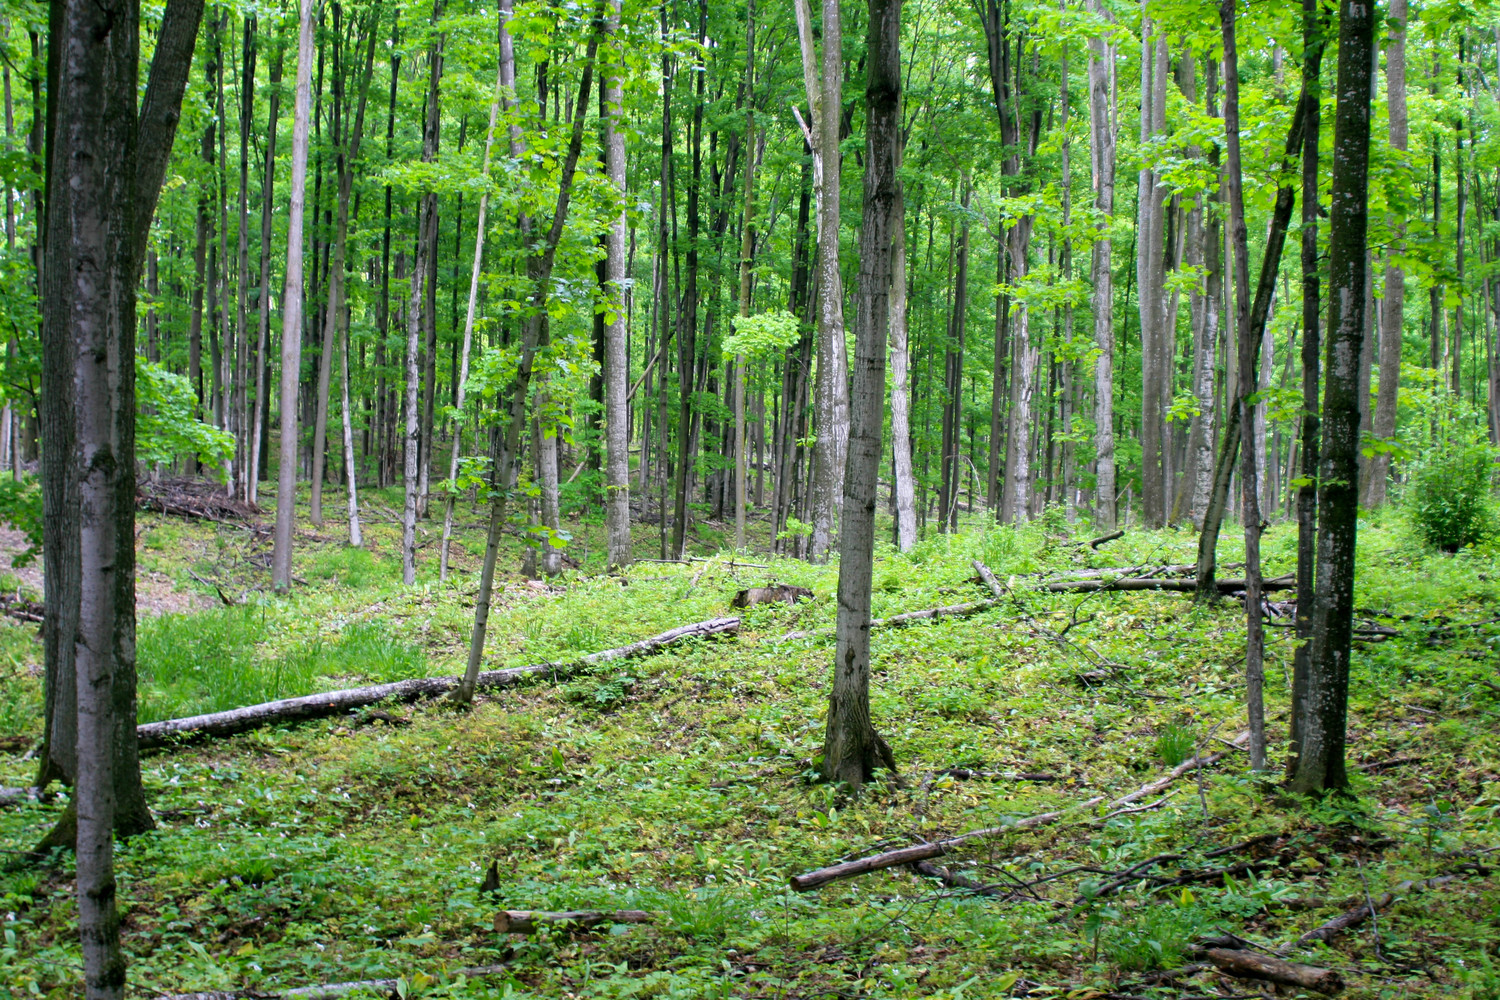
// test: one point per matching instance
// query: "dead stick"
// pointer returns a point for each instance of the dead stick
(1251, 965)
(530, 921)
(384, 987)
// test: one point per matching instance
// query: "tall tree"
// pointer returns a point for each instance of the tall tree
(291, 310)
(616, 347)
(1392, 310)
(1319, 765)
(852, 749)
(1102, 128)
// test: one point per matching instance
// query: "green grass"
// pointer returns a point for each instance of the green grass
(681, 784)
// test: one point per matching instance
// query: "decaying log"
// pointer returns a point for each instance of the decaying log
(383, 987)
(530, 921)
(1160, 583)
(11, 796)
(1253, 965)
(988, 577)
(895, 621)
(1360, 913)
(239, 720)
(1094, 543)
(925, 852)
(783, 593)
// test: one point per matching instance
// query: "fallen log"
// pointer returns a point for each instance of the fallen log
(239, 720)
(383, 987)
(1159, 583)
(1359, 914)
(531, 921)
(10, 796)
(1094, 543)
(1244, 964)
(895, 621)
(933, 849)
(988, 577)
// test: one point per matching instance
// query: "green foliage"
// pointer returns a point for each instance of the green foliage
(167, 425)
(1449, 495)
(758, 337)
(1154, 939)
(21, 508)
(1174, 743)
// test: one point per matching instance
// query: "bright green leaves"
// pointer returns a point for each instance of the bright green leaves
(167, 424)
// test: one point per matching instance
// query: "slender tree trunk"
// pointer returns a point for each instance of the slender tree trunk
(852, 748)
(1392, 313)
(904, 486)
(418, 307)
(263, 301)
(1314, 30)
(243, 457)
(616, 348)
(539, 276)
(1102, 126)
(1151, 278)
(1321, 728)
(1248, 341)
(291, 311)
(831, 385)
(463, 371)
(747, 250)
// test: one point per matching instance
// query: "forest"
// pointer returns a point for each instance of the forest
(857, 498)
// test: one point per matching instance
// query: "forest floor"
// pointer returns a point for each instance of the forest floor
(682, 784)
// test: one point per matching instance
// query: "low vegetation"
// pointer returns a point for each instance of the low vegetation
(683, 784)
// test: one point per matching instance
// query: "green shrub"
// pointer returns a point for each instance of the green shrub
(1174, 744)
(1448, 497)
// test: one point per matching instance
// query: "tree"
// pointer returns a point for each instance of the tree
(616, 349)
(1102, 129)
(1319, 765)
(104, 165)
(851, 747)
(291, 310)
(1393, 305)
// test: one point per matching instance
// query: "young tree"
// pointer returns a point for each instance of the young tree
(1319, 766)
(291, 310)
(616, 350)
(1102, 128)
(852, 749)
(1392, 310)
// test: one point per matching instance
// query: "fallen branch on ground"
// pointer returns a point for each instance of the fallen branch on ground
(1094, 543)
(1360, 913)
(10, 796)
(530, 921)
(1245, 964)
(386, 987)
(947, 611)
(238, 720)
(1159, 583)
(924, 852)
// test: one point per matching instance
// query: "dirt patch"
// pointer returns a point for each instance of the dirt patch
(155, 593)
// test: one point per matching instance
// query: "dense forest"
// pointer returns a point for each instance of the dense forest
(360, 355)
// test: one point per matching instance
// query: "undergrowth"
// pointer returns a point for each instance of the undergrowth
(682, 784)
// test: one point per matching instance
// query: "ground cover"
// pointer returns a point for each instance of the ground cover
(681, 784)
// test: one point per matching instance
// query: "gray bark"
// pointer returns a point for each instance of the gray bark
(1392, 312)
(905, 484)
(616, 354)
(1102, 128)
(291, 310)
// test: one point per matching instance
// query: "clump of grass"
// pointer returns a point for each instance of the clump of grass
(211, 662)
(1174, 743)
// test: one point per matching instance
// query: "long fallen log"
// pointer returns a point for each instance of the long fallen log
(384, 987)
(1228, 586)
(933, 849)
(10, 796)
(312, 706)
(1359, 914)
(530, 921)
(1253, 965)
(906, 618)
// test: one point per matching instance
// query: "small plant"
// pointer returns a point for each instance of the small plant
(1174, 744)
(1449, 496)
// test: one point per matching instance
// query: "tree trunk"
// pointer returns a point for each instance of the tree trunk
(1314, 29)
(463, 370)
(831, 384)
(1151, 277)
(243, 462)
(852, 748)
(291, 310)
(1248, 342)
(747, 250)
(1392, 313)
(539, 276)
(417, 307)
(616, 348)
(905, 494)
(1319, 766)
(263, 300)
(1102, 59)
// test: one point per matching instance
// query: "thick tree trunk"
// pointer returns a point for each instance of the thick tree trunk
(616, 348)
(291, 311)
(1017, 490)
(1102, 126)
(1321, 726)
(852, 748)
